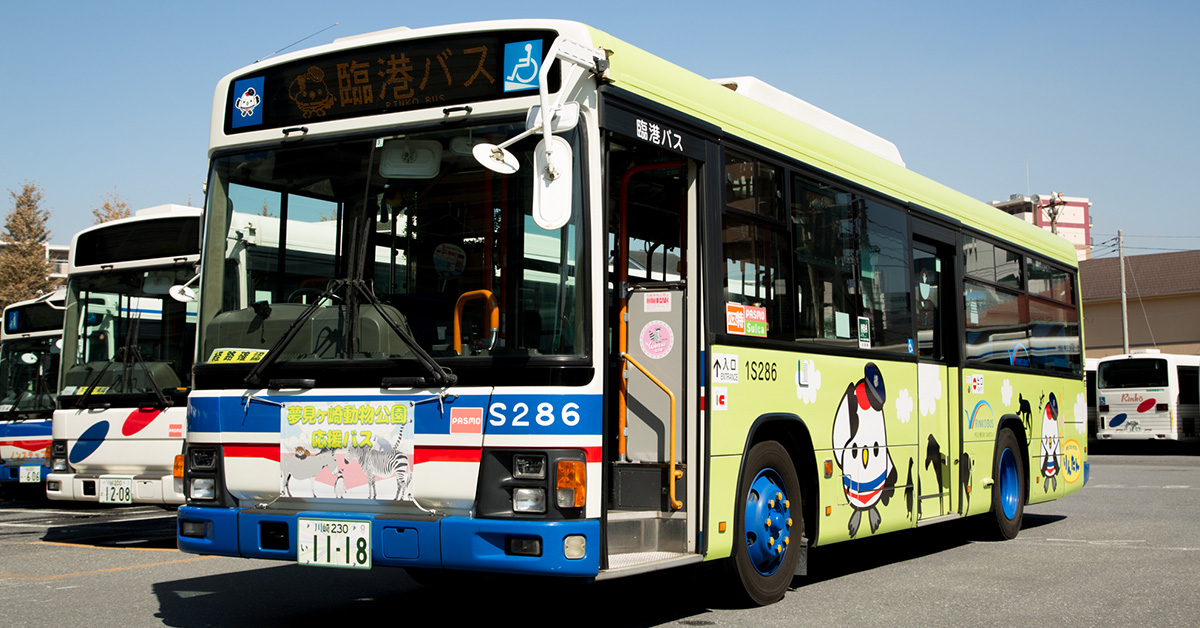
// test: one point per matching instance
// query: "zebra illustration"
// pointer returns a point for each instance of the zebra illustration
(305, 465)
(383, 460)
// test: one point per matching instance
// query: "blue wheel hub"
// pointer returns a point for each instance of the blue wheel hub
(1009, 485)
(768, 521)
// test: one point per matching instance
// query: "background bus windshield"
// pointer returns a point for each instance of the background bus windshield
(1133, 374)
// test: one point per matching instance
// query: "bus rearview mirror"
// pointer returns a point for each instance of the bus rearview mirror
(552, 183)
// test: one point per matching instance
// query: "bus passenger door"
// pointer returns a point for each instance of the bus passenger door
(938, 442)
(652, 423)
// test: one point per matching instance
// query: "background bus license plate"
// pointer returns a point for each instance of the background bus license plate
(116, 490)
(30, 473)
(334, 543)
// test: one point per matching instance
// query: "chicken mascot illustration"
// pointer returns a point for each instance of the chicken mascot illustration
(860, 447)
(1051, 449)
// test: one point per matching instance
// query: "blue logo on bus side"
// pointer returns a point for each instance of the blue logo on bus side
(522, 63)
(247, 104)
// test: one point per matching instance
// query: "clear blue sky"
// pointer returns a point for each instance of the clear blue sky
(1093, 99)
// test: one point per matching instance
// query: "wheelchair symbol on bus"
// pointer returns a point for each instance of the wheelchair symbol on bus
(521, 65)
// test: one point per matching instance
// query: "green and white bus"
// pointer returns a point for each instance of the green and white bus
(581, 312)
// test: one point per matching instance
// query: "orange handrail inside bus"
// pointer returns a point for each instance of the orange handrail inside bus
(676, 474)
(493, 314)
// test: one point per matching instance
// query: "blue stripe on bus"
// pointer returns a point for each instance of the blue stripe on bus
(509, 414)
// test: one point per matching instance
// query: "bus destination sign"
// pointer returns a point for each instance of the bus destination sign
(391, 77)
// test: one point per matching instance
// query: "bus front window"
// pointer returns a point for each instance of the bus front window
(131, 337)
(28, 374)
(410, 229)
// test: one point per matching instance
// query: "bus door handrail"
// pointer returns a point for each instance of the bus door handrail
(493, 316)
(676, 474)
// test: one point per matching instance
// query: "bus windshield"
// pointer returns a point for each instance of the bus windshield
(1146, 373)
(441, 249)
(130, 337)
(28, 374)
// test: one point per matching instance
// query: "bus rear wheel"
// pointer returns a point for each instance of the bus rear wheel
(1008, 492)
(768, 521)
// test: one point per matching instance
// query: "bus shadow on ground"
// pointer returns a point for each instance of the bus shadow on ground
(842, 559)
(1142, 448)
(291, 595)
(155, 532)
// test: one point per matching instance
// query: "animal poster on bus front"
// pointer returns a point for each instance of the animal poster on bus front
(346, 450)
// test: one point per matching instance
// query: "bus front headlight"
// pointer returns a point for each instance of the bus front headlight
(203, 488)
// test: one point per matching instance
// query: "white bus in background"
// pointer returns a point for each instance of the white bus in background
(127, 352)
(1089, 372)
(1148, 395)
(29, 351)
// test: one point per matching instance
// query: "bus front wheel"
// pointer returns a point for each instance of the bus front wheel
(768, 524)
(1008, 492)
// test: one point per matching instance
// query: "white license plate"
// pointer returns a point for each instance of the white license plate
(334, 543)
(30, 474)
(116, 490)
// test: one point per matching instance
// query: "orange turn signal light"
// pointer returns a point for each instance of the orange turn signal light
(178, 466)
(571, 482)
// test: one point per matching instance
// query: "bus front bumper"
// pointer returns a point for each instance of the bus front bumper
(22, 471)
(451, 542)
(144, 488)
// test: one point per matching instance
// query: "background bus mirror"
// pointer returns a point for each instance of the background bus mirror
(183, 294)
(552, 184)
(408, 159)
(565, 118)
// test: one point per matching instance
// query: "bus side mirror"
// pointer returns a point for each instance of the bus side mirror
(552, 183)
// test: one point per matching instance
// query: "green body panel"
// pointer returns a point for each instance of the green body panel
(1051, 412)
(924, 426)
(935, 424)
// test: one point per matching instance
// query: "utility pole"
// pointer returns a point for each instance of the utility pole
(1054, 210)
(1124, 305)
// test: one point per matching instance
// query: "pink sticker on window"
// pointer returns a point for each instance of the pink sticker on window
(656, 339)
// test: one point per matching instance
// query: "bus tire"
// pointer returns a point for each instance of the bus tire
(768, 519)
(1008, 492)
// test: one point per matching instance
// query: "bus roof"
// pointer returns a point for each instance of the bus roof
(94, 249)
(804, 138)
(1153, 354)
(649, 76)
(58, 297)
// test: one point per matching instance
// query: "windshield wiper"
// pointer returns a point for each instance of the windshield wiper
(41, 389)
(16, 404)
(353, 287)
(129, 355)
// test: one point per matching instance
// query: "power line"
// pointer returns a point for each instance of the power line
(1153, 236)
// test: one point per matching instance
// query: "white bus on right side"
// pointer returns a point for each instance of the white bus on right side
(1148, 395)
